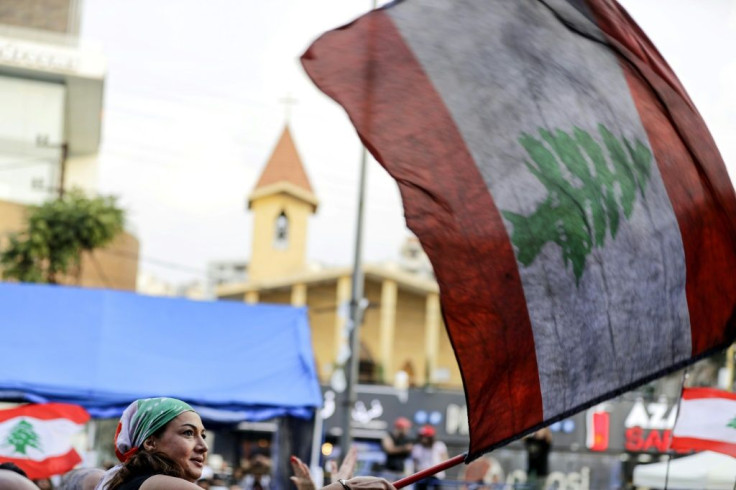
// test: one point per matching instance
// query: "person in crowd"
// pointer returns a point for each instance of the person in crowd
(218, 483)
(12, 480)
(397, 446)
(537, 447)
(161, 445)
(237, 479)
(9, 465)
(81, 479)
(258, 476)
(427, 453)
(44, 483)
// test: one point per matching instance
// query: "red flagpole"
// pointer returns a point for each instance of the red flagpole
(420, 475)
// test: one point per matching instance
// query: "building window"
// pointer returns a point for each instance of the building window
(281, 236)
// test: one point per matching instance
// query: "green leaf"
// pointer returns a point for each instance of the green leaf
(586, 193)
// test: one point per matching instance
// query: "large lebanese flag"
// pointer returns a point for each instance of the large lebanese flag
(38, 437)
(706, 420)
(577, 213)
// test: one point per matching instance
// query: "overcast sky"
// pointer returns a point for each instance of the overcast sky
(193, 109)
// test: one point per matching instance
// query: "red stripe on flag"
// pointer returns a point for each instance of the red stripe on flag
(367, 67)
(55, 465)
(710, 393)
(691, 443)
(47, 411)
(693, 173)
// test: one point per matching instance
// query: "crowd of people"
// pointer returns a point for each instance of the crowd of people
(406, 454)
(161, 445)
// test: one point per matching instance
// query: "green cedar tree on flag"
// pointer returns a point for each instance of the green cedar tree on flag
(578, 215)
(37, 437)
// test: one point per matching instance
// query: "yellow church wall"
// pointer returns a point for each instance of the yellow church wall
(410, 336)
(321, 301)
(278, 297)
(446, 361)
(369, 331)
(268, 260)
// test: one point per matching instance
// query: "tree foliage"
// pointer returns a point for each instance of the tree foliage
(57, 233)
(586, 195)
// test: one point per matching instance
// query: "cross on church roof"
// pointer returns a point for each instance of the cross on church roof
(288, 102)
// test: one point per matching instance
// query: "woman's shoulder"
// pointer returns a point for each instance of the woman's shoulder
(134, 483)
(164, 482)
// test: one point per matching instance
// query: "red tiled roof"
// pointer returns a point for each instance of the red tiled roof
(285, 165)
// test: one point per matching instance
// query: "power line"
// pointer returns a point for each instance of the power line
(159, 262)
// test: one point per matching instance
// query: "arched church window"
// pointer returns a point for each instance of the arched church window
(281, 236)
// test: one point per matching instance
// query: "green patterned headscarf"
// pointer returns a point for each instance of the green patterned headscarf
(143, 418)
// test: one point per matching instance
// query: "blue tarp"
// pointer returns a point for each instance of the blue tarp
(103, 349)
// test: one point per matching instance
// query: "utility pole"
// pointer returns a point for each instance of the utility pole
(62, 167)
(356, 317)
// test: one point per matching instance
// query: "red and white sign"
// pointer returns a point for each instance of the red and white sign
(707, 421)
(38, 437)
(598, 428)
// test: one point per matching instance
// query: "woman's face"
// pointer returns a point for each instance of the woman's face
(183, 441)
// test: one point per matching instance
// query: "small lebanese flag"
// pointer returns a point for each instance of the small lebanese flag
(38, 437)
(706, 421)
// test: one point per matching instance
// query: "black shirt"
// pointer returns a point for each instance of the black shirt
(395, 462)
(537, 451)
(135, 483)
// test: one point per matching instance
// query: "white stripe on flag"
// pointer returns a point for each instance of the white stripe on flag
(589, 334)
(706, 418)
(54, 438)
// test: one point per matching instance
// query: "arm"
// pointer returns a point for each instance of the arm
(387, 443)
(362, 483)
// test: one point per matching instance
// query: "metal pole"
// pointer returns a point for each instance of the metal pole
(62, 168)
(355, 319)
(314, 466)
(730, 366)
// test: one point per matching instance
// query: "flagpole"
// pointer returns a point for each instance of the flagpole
(356, 309)
(420, 475)
(669, 453)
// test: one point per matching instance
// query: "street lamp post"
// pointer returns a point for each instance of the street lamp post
(356, 316)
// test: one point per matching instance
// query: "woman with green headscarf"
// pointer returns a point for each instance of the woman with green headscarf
(161, 445)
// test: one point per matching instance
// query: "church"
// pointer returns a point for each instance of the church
(403, 340)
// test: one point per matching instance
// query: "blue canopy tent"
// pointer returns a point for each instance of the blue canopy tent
(103, 349)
